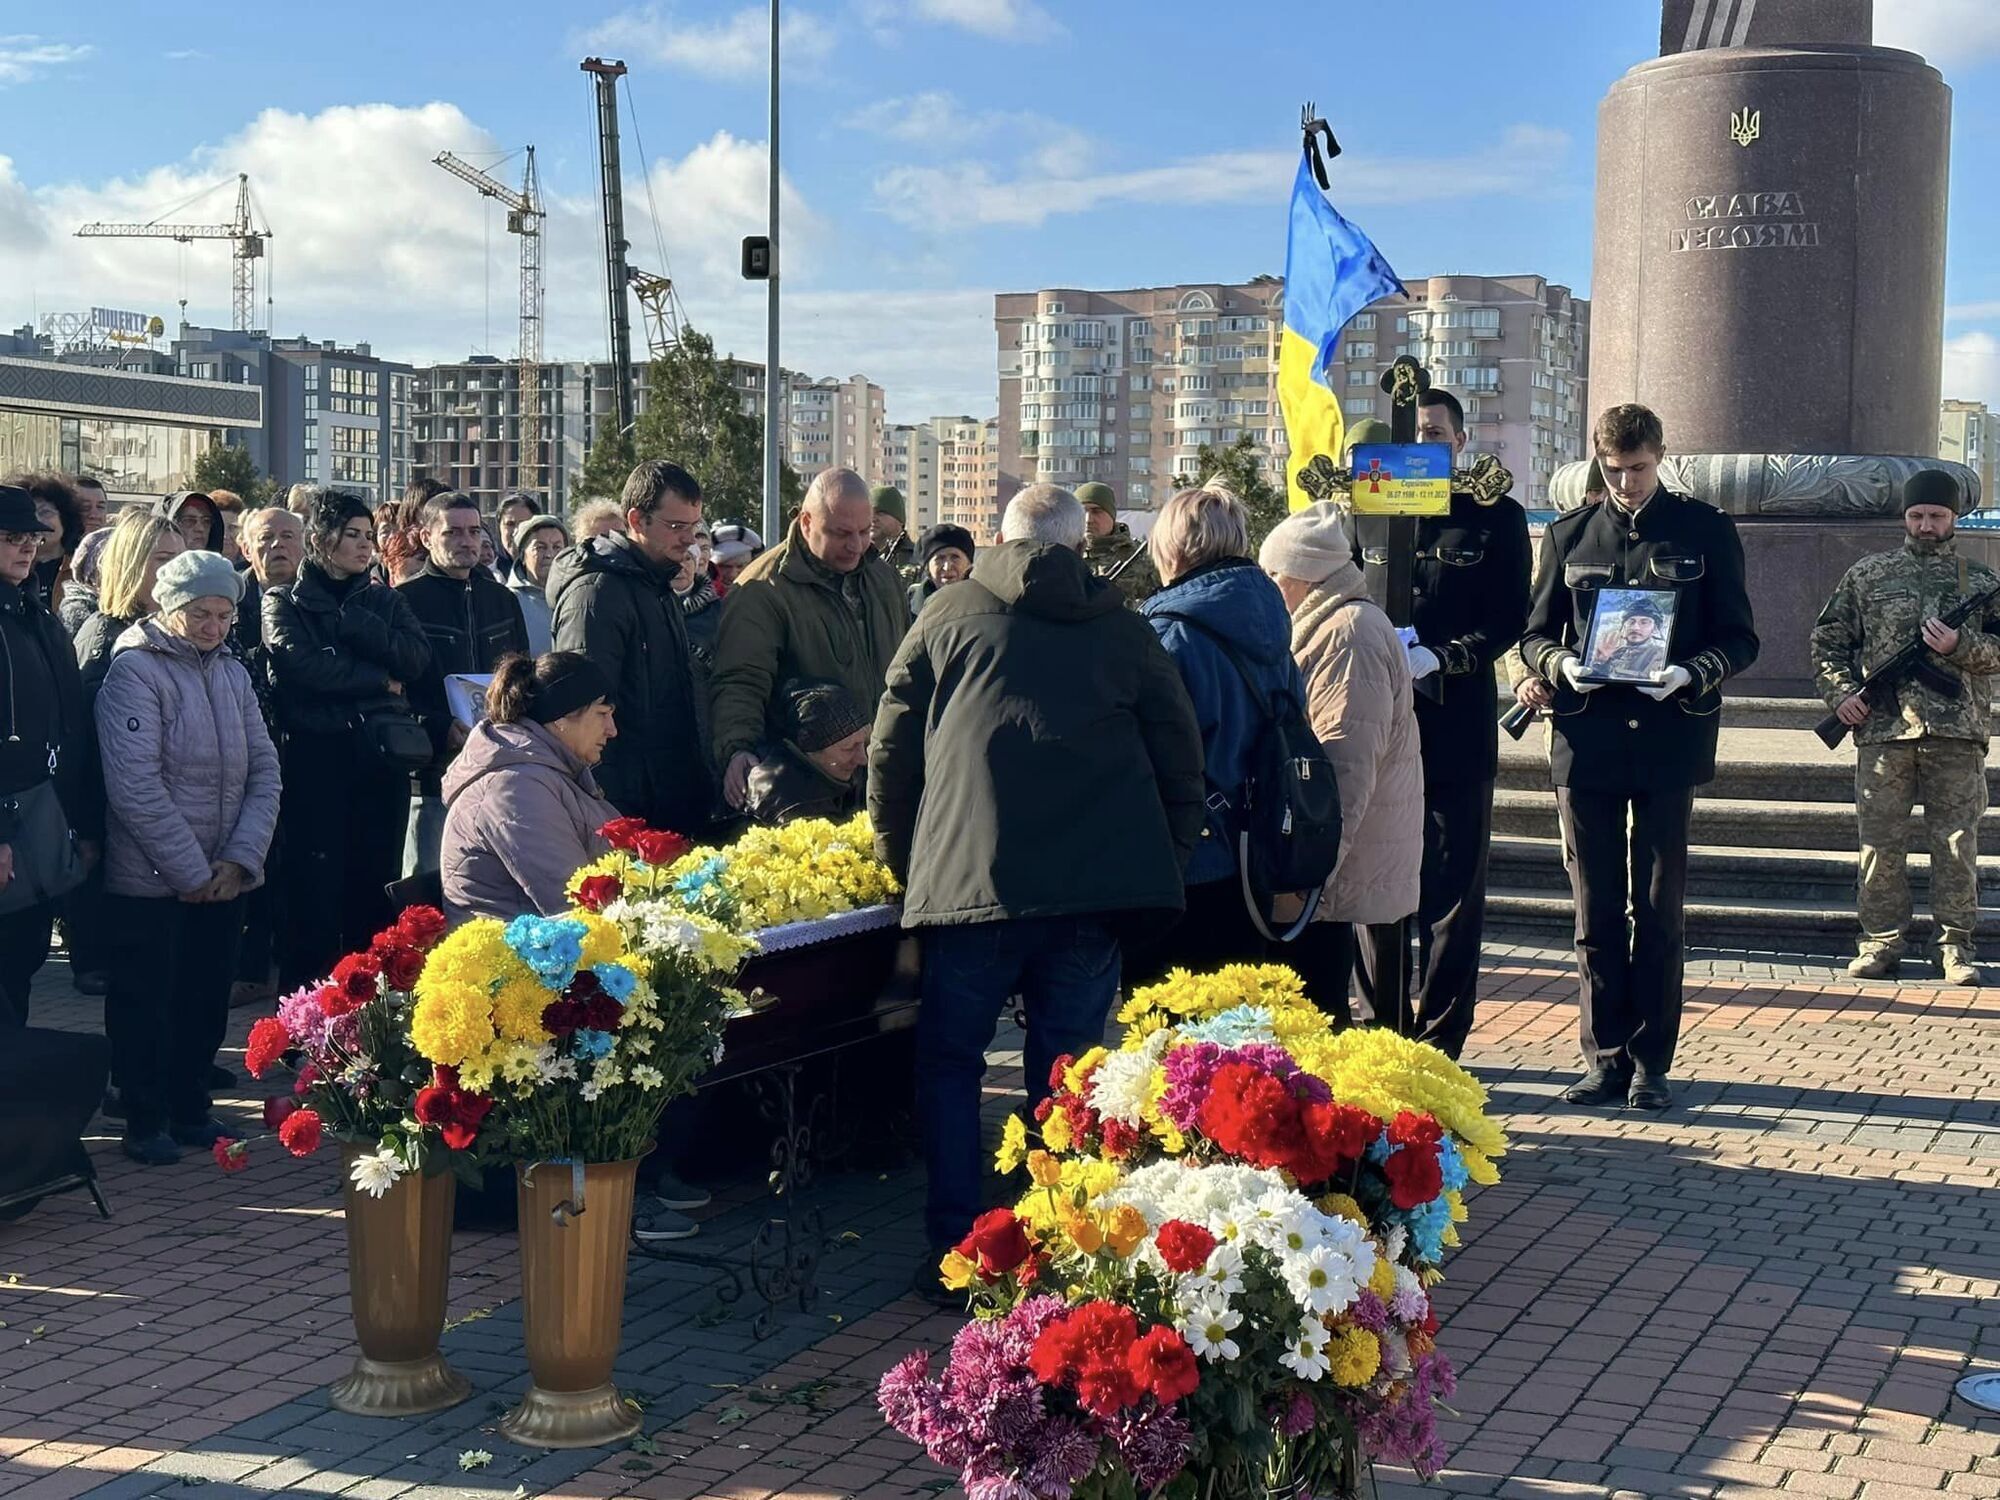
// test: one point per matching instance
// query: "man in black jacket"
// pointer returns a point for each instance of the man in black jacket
(471, 620)
(1626, 759)
(614, 601)
(1471, 600)
(1027, 713)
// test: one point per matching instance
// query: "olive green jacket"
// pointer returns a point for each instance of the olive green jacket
(788, 616)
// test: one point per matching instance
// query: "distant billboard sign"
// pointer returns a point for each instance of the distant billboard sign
(112, 320)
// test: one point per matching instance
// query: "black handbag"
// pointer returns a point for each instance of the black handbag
(394, 738)
(47, 863)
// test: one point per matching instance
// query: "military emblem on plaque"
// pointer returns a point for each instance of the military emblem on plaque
(1745, 125)
(1627, 639)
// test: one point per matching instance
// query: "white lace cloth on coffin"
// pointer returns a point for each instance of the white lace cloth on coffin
(826, 929)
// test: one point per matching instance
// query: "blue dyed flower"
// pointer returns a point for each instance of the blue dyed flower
(1379, 1148)
(551, 946)
(1452, 1165)
(1239, 1026)
(617, 980)
(699, 881)
(1427, 1226)
(593, 1044)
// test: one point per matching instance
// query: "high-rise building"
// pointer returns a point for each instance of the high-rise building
(467, 424)
(1966, 435)
(913, 469)
(829, 423)
(968, 462)
(1125, 387)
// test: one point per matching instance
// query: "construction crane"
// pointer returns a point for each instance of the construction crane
(524, 218)
(661, 305)
(605, 74)
(246, 246)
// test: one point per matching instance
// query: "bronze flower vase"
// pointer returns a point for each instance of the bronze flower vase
(576, 1225)
(398, 1267)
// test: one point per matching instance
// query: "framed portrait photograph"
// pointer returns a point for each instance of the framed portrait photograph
(1627, 639)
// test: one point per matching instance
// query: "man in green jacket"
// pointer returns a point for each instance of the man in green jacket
(821, 604)
(1109, 551)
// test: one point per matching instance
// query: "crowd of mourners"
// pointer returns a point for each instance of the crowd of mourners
(238, 736)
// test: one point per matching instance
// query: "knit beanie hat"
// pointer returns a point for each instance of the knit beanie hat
(538, 523)
(1100, 495)
(196, 575)
(941, 536)
(1931, 487)
(888, 500)
(814, 715)
(90, 557)
(1310, 545)
(1367, 430)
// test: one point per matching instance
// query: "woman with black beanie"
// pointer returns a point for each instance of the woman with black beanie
(343, 649)
(944, 552)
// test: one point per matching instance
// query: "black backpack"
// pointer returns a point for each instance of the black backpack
(1288, 817)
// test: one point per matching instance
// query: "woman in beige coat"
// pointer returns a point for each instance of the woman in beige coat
(1357, 678)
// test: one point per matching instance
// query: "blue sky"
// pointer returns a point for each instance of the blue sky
(936, 151)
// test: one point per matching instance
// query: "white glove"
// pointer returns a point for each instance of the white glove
(1407, 634)
(1423, 662)
(1571, 669)
(1676, 679)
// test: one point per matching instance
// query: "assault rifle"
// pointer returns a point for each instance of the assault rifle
(1915, 660)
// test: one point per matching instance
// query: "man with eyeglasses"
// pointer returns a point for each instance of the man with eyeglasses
(614, 601)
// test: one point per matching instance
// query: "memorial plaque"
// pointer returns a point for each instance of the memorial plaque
(1401, 479)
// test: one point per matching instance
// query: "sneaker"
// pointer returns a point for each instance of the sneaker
(671, 1192)
(1599, 1086)
(1875, 963)
(655, 1222)
(220, 1077)
(94, 982)
(201, 1133)
(1956, 964)
(155, 1150)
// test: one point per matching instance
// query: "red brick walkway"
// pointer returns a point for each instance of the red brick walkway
(1768, 1292)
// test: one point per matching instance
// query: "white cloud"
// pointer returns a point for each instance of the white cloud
(1009, 20)
(186, 54)
(932, 118)
(1972, 312)
(1972, 368)
(738, 46)
(22, 57)
(1522, 163)
(1946, 32)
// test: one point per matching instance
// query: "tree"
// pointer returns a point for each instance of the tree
(695, 417)
(1239, 469)
(606, 465)
(226, 466)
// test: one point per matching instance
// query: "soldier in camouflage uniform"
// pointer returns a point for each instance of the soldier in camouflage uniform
(890, 533)
(1928, 748)
(1641, 649)
(1109, 542)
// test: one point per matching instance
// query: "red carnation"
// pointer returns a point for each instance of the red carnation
(1090, 1348)
(620, 832)
(1043, 1110)
(277, 1110)
(561, 1017)
(337, 1000)
(421, 926)
(602, 1013)
(1162, 1362)
(300, 1132)
(269, 1041)
(1184, 1246)
(231, 1155)
(1120, 1139)
(1251, 1115)
(1056, 1071)
(658, 848)
(996, 1244)
(596, 892)
(1415, 1177)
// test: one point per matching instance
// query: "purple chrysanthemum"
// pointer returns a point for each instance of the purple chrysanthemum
(1065, 1453)
(1153, 1442)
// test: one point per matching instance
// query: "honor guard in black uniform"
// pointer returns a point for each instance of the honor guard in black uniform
(1626, 759)
(1470, 601)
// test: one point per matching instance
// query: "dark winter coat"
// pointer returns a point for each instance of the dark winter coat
(785, 786)
(1035, 753)
(620, 610)
(45, 721)
(335, 646)
(1234, 598)
(703, 608)
(470, 622)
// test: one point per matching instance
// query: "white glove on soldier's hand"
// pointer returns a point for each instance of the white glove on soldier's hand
(1423, 662)
(1571, 669)
(1407, 634)
(1676, 679)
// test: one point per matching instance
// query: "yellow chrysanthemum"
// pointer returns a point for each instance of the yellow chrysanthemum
(1343, 1206)
(1385, 1074)
(1056, 1133)
(1382, 1280)
(517, 1010)
(1013, 1144)
(1073, 1075)
(602, 942)
(1355, 1355)
(474, 955)
(451, 1024)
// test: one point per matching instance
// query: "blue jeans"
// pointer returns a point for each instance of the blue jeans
(1065, 969)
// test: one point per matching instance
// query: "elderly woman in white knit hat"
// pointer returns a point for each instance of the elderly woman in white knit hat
(191, 794)
(1358, 699)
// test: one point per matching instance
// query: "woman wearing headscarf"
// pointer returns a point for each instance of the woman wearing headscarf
(191, 805)
(79, 600)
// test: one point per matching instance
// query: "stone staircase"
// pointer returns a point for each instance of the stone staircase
(1773, 864)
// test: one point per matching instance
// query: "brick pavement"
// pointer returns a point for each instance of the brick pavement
(1768, 1292)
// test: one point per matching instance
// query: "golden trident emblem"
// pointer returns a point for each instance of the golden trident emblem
(1745, 125)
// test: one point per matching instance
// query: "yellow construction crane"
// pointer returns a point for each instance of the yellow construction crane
(524, 218)
(246, 245)
(661, 305)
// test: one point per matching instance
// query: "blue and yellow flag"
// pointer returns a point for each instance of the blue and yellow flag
(1332, 271)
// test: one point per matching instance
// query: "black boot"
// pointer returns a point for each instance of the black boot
(1649, 1090)
(1603, 1084)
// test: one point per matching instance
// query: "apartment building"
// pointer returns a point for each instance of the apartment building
(1126, 386)
(467, 430)
(829, 423)
(1966, 435)
(968, 462)
(913, 469)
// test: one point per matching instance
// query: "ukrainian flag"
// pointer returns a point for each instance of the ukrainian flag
(1332, 271)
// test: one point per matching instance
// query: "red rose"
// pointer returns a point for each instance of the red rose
(1162, 1362)
(299, 1134)
(620, 832)
(602, 1013)
(269, 1041)
(337, 1000)
(456, 1112)
(657, 848)
(598, 891)
(997, 1243)
(1184, 1246)
(231, 1155)
(420, 926)
(277, 1110)
(357, 974)
(401, 966)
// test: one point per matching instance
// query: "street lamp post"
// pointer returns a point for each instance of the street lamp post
(774, 404)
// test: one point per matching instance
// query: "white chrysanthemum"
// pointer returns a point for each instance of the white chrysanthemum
(1119, 1087)
(1399, 1240)
(1407, 1282)
(1239, 1026)
(377, 1173)
(1207, 1326)
(1307, 1357)
(1322, 1279)
(647, 1076)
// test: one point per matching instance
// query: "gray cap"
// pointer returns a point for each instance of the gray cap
(196, 575)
